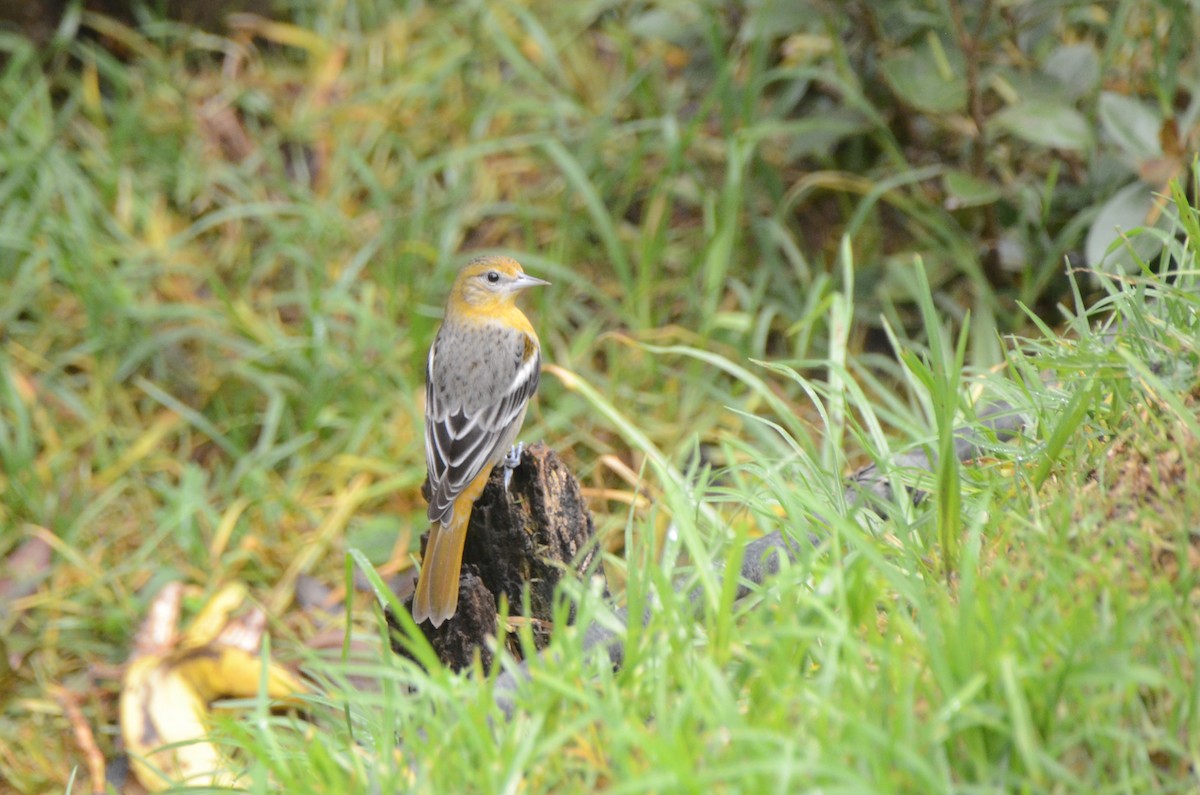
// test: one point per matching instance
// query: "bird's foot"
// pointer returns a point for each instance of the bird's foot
(510, 462)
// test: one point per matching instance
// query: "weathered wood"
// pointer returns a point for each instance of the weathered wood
(526, 538)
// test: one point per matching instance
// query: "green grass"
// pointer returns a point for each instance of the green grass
(1057, 654)
(223, 260)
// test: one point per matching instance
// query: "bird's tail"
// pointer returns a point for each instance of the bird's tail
(436, 597)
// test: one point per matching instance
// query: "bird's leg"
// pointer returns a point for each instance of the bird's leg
(510, 462)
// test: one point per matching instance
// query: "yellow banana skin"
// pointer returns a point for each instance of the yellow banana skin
(166, 693)
(159, 707)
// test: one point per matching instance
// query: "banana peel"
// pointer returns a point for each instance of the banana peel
(171, 681)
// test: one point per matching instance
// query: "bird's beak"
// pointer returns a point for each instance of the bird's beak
(525, 280)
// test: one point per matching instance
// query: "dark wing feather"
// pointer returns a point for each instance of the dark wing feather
(465, 435)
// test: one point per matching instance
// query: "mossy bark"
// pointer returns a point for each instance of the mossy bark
(521, 540)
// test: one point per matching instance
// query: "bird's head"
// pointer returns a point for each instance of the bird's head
(489, 283)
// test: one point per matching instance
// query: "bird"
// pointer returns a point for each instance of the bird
(483, 368)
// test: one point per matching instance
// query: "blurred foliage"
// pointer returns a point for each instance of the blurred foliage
(708, 143)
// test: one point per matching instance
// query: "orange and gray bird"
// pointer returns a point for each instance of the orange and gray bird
(483, 369)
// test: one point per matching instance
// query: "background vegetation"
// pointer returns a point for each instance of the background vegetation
(786, 238)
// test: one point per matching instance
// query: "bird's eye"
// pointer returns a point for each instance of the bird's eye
(493, 276)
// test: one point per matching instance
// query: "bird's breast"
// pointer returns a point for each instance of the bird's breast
(473, 366)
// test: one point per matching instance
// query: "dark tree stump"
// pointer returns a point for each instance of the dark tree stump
(527, 538)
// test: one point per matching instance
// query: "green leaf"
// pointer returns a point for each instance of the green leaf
(820, 134)
(1076, 67)
(1128, 209)
(928, 80)
(1132, 125)
(374, 537)
(1046, 123)
(767, 20)
(964, 190)
(1069, 420)
(674, 23)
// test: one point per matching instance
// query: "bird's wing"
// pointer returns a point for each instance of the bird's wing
(463, 436)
